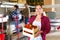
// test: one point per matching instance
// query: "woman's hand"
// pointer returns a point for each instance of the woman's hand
(38, 33)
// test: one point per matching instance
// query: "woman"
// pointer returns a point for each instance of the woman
(25, 12)
(42, 22)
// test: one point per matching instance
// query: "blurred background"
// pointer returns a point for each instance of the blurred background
(51, 10)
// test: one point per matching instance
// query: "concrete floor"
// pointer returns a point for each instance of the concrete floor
(53, 36)
(50, 36)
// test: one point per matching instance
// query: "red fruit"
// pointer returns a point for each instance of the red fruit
(28, 26)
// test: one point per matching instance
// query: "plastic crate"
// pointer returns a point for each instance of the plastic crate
(2, 36)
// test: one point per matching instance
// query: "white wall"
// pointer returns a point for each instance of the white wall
(57, 9)
(2, 10)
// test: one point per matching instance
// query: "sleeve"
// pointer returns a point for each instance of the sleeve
(47, 26)
(31, 19)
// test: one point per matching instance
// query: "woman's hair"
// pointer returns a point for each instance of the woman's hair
(16, 6)
(38, 5)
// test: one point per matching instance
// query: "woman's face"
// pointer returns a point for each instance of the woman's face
(39, 10)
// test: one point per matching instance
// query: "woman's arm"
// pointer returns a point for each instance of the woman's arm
(47, 26)
(38, 33)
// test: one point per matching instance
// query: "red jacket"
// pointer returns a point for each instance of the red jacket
(45, 25)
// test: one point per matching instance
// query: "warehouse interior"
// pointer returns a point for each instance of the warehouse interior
(51, 10)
